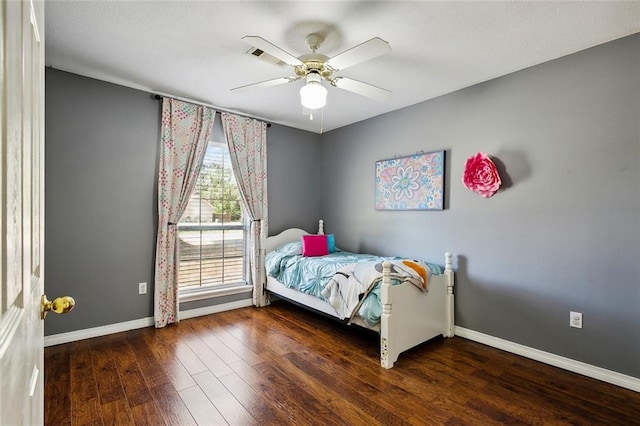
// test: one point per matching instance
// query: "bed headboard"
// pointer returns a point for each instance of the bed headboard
(289, 236)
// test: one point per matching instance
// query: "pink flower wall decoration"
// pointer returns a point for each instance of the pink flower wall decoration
(481, 175)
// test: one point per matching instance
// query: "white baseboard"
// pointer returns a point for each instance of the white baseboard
(588, 370)
(208, 310)
(88, 333)
(73, 336)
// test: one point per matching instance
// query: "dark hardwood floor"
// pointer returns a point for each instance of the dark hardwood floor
(283, 365)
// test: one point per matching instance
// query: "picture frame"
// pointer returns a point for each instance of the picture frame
(412, 182)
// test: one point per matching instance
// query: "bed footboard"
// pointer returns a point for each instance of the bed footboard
(416, 319)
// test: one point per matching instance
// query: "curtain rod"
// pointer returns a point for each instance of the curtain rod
(218, 110)
(156, 95)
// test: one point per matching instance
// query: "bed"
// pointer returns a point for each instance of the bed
(408, 315)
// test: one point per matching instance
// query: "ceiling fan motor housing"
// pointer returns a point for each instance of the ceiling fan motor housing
(314, 63)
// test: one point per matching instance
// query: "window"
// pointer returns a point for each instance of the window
(211, 231)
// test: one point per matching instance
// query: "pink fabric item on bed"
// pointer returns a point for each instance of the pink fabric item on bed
(314, 245)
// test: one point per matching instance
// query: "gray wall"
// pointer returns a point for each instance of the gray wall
(294, 179)
(563, 235)
(102, 147)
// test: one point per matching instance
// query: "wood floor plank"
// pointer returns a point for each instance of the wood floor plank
(250, 328)
(204, 332)
(210, 360)
(282, 365)
(446, 409)
(173, 409)
(200, 407)
(260, 408)
(317, 407)
(109, 386)
(352, 391)
(504, 414)
(85, 400)
(574, 387)
(441, 375)
(394, 381)
(324, 394)
(351, 342)
(147, 414)
(131, 377)
(271, 326)
(152, 372)
(191, 361)
(235, 345)
(550, 397)
(499, 390)
(230, 408)
(57, 381)
(117, 413)
(282, 395)
(165, 353)
(244, 331)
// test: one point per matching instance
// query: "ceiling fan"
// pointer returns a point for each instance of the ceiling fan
(316, 68)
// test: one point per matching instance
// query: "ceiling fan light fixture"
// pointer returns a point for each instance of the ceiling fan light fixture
(313, 95)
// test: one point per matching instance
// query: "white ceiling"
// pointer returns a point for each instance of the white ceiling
(193, 49)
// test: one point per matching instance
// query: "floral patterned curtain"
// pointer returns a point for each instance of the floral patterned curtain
(184, 137)
(247, 141)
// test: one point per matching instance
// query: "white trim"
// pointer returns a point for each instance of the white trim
(88, 333)
(208, 310)
(72, 336)
(588, 370)
(210, 294)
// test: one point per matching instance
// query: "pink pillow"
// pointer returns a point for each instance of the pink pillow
(314, 245)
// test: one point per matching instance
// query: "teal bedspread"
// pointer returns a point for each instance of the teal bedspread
(312, 274)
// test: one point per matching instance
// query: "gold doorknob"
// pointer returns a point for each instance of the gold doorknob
(60, 305)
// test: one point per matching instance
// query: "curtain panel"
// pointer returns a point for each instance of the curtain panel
(184, 137)
(247, 141)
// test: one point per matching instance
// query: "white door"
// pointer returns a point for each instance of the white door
(21, 211)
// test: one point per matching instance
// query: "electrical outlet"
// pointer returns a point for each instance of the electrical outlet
(142, 288)
(575, 319)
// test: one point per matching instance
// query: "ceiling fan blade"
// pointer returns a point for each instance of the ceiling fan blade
(272, 49)
(363, 52)
(360, 88)
(266, 83)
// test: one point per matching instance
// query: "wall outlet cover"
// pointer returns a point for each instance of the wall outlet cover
(575, 319)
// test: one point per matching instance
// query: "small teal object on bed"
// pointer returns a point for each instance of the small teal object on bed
(331, 243)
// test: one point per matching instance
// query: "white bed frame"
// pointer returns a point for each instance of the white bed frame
(407, 320)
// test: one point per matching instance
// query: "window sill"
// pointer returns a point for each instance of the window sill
(213, 293)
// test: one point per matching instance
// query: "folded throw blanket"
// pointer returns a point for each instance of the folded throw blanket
(352, 283)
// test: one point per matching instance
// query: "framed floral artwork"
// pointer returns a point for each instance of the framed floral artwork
(414, 182)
